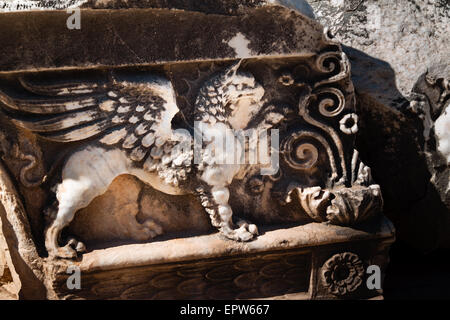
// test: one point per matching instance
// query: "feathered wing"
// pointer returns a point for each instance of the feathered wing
(134, 116)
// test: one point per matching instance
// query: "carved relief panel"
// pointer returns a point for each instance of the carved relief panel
(99, 125)
(199, 156)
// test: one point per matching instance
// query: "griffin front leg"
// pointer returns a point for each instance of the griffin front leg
(53, 232)
(224, 214)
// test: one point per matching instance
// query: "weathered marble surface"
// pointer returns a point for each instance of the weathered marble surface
(8, 289)
(410, 35)
(229, 7)
(215, 246)
(109, 39)
(24, 263)
(119, 213)
(285, 263)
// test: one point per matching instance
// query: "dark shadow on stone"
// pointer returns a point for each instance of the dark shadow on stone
(389, 141)
(411, 275)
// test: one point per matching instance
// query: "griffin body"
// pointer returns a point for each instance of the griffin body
(127, 125)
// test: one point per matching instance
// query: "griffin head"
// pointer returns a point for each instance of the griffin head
(231, 97)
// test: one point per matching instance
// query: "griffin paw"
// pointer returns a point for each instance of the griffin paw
(244, 233)
(77, 245)
(69, 251)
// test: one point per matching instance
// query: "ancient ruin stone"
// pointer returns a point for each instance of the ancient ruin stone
(166, 151)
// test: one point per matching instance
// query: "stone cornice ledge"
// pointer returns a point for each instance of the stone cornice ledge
(133, 37)
(212, 246)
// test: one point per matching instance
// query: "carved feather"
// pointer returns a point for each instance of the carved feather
(61, 89)
(131, 114)
(46, 106)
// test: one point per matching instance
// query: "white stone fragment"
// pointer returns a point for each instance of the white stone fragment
(442, 132)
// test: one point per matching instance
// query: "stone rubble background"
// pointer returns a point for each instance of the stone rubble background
(391, 44)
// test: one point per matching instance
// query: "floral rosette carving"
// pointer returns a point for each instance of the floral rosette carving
(343, 273)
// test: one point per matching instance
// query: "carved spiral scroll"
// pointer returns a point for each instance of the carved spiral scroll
(333, 103)
(332, 62)
(327, 62)
(32, 163)
(26, 169)
(304, 104)
(307, 152)
(304, 155)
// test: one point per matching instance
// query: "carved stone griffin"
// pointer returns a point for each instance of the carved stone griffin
(131, 122)
(125, 125)
(156, 138)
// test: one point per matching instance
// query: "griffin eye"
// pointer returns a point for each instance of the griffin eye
(256, 185)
